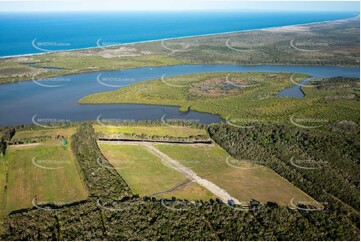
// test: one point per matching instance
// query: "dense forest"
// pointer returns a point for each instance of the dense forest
(112, 212)
(330, 168)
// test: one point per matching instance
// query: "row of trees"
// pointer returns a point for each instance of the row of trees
(6, 135)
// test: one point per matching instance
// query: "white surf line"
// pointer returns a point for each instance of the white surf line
(216, 190)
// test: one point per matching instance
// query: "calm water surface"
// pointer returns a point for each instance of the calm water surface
(57, 99)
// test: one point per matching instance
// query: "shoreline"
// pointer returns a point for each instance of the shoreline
(175, 38)
(260, 64)
(194, 64)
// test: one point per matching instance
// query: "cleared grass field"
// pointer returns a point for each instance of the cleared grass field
(66, 132)
(46, 171)
(242, 180)
(179, 131)
(3, 171)
(147, 175)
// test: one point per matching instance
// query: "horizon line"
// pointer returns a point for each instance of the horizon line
(177, 10)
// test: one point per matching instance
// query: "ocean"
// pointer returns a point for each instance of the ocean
(30, 33)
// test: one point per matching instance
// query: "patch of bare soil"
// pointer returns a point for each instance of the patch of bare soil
(217, 87)
(20, 59)
(345, 97)
(108, 52)
(20, 71)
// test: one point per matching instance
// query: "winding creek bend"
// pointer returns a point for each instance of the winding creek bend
(56, 99)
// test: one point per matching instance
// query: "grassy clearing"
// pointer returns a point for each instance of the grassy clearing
(3, 172)
(47, 171)
(146, 174)
(178, 131)
(243, 180)
(26, 134)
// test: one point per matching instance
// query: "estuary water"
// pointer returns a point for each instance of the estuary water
(56, 99)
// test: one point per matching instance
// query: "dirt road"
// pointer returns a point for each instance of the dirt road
(25, 145)
(216, 190)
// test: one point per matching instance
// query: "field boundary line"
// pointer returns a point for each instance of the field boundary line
(128, 142)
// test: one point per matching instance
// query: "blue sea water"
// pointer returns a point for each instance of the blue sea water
(20, 32)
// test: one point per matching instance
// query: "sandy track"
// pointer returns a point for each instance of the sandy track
(216, 190)
(25, 145)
